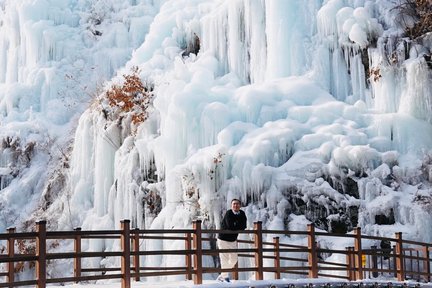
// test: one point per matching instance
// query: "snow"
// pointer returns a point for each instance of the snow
(238, 283)
(245, 284)
(284, 101)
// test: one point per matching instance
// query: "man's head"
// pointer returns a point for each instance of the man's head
(235, 205)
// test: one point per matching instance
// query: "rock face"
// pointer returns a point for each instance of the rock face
(326, 213)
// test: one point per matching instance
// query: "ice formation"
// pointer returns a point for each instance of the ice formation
(308, 111)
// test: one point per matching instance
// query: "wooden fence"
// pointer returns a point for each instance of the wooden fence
(399, 258)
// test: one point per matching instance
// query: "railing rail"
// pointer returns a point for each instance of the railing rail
(405, 259)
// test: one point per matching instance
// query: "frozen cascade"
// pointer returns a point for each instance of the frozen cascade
(249, 37)
(54, 56)
(347, 32)
(107, 142)
(416, 99)
(308, 111)
(387, 83)
(288, 37)
(256, 140)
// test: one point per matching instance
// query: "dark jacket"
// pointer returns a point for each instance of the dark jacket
(232, 221)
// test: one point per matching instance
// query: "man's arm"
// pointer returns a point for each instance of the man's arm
(244, 221)
(225, 225)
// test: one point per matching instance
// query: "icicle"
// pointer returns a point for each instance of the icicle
(416, 99)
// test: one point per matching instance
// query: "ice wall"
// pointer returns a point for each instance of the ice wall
(54, 57)
(232, 121)
(308, 111)
(261, 40)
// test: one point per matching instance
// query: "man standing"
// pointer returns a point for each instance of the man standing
(234, 219)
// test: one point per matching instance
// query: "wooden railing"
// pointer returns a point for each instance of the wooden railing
(272, 259)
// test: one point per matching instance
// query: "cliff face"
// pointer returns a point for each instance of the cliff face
(308, 111)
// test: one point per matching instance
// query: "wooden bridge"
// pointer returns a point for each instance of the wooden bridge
(400, 259)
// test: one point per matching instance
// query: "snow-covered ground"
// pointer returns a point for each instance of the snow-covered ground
(251, 283)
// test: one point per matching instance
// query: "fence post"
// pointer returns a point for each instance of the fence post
(399, 257)
(426, 264)
(235, 272)
(312, 254)
(136, 257)
(358, 252)
(41, 254)
(353, 260)
(197, 245)
(125, 258)
(410, 263)
(375, 261)
(277, 257)
(418, 265)
(188, 256)
(11, 253)
(349, 264)
(77, 259)
(258, 241)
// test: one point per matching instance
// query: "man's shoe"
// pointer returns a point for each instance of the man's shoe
(220, 278)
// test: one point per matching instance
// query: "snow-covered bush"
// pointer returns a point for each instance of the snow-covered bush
(132, 98)
(416, 17)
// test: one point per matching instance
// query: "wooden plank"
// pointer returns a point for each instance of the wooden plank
(162, 273)
(197, 245)
(41, 254)
(136, 257)
(77, 258)
(349, 265)
(400, 272)
(101, 269)
(18, 258)
(235, 271)
(163, 237)
(10, 252)
(358, 253)
(18, 235)
(332, 263)
(312, 255)
(67, 255)
(125, 258)
(276, 262)
(219, 270)
(426, 264)
(19, 283)
(188, 256)
(258, 244)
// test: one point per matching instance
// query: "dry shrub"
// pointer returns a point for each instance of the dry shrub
(133, 98)
(418, 11)
(375, 74)
(25, 247)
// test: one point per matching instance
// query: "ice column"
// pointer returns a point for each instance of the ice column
(235, 33)
(107, 142)
(287, 25)
(417, 99)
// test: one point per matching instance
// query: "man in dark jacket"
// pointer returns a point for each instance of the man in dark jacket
(234, 219)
